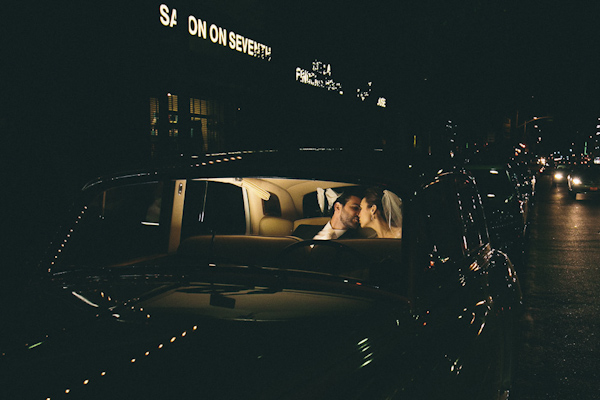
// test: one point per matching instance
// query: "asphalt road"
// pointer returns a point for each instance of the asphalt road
(560, 353)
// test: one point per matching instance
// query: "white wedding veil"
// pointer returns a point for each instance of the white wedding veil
(392, 209)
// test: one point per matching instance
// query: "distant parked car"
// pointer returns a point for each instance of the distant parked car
(193, 281)
(526, 180)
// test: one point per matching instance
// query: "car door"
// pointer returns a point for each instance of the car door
(449, 257)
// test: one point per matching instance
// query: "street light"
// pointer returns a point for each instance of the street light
(531, 120)
(524, 125)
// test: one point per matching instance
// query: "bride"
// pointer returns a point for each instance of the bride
(381, 210)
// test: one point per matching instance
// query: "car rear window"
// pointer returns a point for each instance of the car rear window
(213, 207)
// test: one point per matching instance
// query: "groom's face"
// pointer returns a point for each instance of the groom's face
(349, 213)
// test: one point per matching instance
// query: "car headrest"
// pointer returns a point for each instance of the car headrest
(275, 226)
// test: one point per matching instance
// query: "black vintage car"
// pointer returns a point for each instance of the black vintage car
(190, 282)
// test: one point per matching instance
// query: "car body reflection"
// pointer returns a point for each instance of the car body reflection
(506, 206)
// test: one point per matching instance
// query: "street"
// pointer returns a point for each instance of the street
(559, 356)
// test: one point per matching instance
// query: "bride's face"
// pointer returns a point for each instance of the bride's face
(365, 214)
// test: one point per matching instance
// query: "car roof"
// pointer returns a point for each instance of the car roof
(336, 164)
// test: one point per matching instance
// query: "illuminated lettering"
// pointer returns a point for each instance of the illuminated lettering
(308, 78)
(164, 15)
(165, 18)
(192, 25)
(318, 77)
(203, 29)
(320, 68)
(248, 46)
(363, 94)
(238, 42)
(381, 102)
(196, 26)
(222, 36)
(232, 40)
(216, 34)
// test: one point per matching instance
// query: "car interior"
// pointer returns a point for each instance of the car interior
(237, 221)
(275, 210)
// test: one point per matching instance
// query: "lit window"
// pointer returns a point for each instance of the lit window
(173, 108)
(153, 111)
(173, 102)
(198, 109)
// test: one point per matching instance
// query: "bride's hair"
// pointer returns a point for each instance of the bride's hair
(392, 211)
(373, 197)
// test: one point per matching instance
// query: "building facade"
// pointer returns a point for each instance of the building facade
(229, 80)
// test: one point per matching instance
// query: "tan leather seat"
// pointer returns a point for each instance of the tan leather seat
(275, 226)
(311, 221)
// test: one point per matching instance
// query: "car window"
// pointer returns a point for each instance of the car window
(230, 220)
(494, 183)
(443, 233)
(473, 220)
(118, 224)
(272, 207)
(213, 207)
(240, 221)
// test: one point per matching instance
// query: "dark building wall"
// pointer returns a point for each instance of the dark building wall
(83, 76)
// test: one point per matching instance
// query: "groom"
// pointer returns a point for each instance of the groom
(343, 223)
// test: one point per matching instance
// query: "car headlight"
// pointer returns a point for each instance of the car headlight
(558, 175)
(576, 181)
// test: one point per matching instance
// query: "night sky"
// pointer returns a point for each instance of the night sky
(474, 61)
(482, 59)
